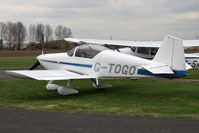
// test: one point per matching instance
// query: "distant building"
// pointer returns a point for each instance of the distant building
(33, 45)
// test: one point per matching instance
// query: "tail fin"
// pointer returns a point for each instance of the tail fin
(171, 53)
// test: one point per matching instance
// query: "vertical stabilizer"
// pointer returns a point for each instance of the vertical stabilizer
(171, 53)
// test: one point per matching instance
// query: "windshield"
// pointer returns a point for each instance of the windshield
(71, 52)
(89, 51)
(143, 50)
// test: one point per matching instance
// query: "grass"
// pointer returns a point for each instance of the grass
(137, 97)
(128, 97)
(192, 74)
(14, 63)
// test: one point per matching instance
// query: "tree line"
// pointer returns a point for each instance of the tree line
(15, 33)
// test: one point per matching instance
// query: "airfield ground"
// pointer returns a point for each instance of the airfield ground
(14, 53)
(156, 97)
(31, 121)
(126, 107)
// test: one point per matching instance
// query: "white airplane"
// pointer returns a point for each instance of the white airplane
(95, 61)
(143, 49)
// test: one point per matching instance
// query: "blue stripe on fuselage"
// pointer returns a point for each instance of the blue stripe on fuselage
(75, 64)
(49, 61)
(67, 63)
(177, 73)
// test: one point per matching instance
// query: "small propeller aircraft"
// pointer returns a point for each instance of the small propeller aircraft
(92, 61)
(144, 49)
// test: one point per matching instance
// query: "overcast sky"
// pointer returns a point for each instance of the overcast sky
(100, 19)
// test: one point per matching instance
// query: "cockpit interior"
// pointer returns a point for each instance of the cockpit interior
(86, 51)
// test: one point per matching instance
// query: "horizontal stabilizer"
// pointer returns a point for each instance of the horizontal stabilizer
(188, 66)
(48, 74)
(158, 68)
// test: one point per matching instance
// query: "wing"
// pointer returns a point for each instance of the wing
(48, 74)
(116, 42)
(191, 43)
(151, 44)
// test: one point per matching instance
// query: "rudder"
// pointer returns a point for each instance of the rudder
(171, 53)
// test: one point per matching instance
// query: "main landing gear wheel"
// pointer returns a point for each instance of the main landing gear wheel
(67, 90)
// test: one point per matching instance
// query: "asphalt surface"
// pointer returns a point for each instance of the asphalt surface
(23, 121)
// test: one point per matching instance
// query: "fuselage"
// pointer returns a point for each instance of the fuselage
(107, 63)
(99, 61)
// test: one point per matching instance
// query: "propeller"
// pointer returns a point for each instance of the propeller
(42, 49)
(35, 65)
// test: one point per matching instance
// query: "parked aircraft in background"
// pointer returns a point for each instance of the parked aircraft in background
(143, 49)
(94, 62)
(148, 53)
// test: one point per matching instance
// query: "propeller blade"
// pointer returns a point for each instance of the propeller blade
(35, 65)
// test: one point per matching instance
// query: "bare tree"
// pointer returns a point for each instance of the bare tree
(48, 33)
(19, 34)
(39, 32)
(66, 32)
(2, 33)
(9, 33)
(32, 32)
(58, 32)
(2, 27)
(62, 32)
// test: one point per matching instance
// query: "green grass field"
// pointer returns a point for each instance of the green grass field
(14, 63)
(128, 97)
(192, 74)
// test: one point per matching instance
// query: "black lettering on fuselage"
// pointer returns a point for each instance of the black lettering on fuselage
(118, 68)
(194, 64)
(97, 67)
(132, 70)
(111, 66)
(122, 69)
(125, 69)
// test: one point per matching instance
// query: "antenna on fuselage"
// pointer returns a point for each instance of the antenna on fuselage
(111, 38)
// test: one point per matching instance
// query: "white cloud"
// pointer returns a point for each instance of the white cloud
(123, 19)
(188, 15)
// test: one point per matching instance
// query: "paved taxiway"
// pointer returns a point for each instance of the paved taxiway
(23, 121)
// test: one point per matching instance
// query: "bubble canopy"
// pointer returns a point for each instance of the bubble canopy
(86, 50)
